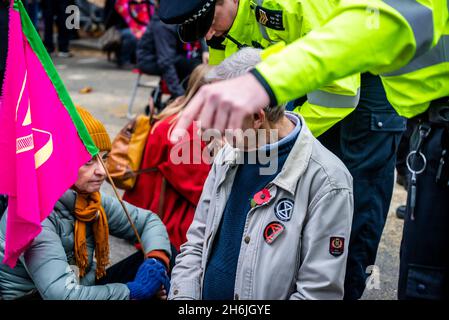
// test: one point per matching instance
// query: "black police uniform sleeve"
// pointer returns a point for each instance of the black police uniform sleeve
(204, 46)
(166, 51)
(266, 86)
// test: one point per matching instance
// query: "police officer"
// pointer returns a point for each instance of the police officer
(232, 24)
(409, 52)
(365, 139)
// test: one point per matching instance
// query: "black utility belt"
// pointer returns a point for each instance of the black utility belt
(438, 112)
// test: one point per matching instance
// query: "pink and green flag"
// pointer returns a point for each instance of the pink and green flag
(43, 140)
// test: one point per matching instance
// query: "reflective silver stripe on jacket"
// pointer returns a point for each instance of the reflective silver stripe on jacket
(262, 28)
(436, 55)
(333, 100)
(420, 19)
(265, 35)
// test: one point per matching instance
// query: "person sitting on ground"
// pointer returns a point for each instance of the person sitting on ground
(78, 227)
(274, 218)
(160, 52)
(173, 190)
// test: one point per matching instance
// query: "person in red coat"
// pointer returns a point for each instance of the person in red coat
(174, 189)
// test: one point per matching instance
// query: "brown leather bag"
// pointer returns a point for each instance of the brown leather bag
(126, 155)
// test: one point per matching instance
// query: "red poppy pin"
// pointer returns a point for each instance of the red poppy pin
(261, 197)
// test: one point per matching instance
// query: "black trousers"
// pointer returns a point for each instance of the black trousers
(366, 141)
(424, 265)
(50, 9)
(125, 270)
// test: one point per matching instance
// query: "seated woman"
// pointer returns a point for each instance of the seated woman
(173, 190)
(275, 215)
(78, 227)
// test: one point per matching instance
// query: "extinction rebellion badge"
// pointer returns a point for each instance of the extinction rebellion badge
(272, 231)
(284, 209)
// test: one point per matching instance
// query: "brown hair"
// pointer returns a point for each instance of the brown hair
(196, 81)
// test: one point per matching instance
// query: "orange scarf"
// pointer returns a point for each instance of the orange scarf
(88, 209)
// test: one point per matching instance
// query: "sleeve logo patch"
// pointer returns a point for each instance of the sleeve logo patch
(270, 18)
(263, 19)
(336, 246)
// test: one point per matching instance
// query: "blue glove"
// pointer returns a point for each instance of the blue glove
(149, 279)
(166, 283)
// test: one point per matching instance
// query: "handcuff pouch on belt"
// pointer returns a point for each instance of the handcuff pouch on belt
(437, 116)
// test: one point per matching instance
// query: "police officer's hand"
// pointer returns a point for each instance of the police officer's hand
(223, 105)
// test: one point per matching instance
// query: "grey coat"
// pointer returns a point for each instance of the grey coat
(46, 265)
(300, 263)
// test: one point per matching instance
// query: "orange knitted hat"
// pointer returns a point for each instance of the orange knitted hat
(96, 129)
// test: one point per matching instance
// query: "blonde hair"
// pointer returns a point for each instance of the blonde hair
(196, 81)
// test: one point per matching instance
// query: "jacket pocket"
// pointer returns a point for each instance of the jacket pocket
(387, 122)
(425, 282)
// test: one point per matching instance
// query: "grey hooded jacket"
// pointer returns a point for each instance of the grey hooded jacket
(307, 260)
(46, 265)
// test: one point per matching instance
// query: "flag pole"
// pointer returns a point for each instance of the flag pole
(123, 205)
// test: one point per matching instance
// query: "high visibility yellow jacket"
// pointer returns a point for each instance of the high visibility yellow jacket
(405, 41)
(263, 23)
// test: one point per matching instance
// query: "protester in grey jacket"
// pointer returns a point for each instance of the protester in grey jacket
(77, 229)
(273, 229)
